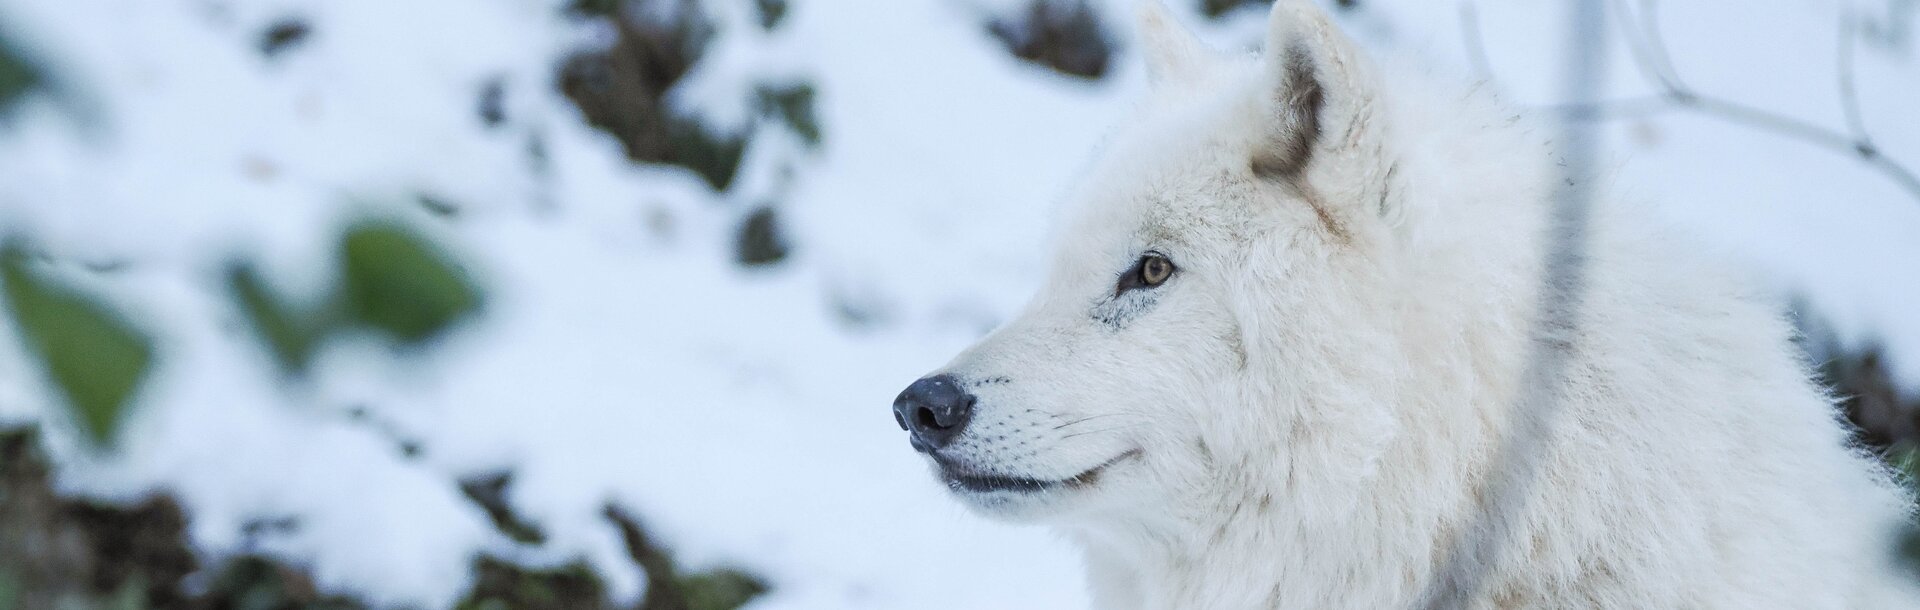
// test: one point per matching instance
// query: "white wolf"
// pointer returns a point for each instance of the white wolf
(1274, 363)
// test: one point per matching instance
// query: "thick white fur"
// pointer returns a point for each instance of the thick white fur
(1304, 417)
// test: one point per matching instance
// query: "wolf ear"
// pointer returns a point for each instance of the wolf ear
(1173, 53)
(1321, 132)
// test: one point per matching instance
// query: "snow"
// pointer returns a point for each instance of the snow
(622, 356)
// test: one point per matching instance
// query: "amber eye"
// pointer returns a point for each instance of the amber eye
(1152, 270)
(1155, 269)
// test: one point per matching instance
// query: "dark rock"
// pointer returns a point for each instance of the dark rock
(284, 35)
(1064, 35)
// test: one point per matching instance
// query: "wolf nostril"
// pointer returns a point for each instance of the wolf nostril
(926, 419)
(935, 410)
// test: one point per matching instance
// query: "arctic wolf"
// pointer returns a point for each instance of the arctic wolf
(1283, 333)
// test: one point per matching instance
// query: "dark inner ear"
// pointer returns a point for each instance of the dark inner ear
(1297, 127)
(1293, 133)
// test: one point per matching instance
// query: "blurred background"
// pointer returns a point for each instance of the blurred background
(501, 304)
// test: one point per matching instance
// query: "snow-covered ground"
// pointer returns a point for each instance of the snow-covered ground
(623, 356)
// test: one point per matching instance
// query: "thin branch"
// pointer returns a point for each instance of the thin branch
(1735, 112)
(1849, 91)
(1781, 124)
(1648, 49)
(1657, 42)
(1643, 54)
(1861, 147)
(1476, 43)
(1477, 550)
(1899, 173)
(1611, 110)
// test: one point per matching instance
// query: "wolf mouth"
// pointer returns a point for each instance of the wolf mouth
(959, 478)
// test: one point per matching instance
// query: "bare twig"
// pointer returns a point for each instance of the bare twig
(1849, 90)
(1476, 44)
(1475, 553)
(1643, 54)
(1858, 146)
(1656, 44)
(1648, 48)
(1608, 110)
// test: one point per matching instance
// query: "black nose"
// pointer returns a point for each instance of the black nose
(934, 409)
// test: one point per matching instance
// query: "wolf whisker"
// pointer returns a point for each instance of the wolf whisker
(1087, 419)
(1100, 431)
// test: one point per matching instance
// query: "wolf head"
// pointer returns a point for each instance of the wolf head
(1217, 316)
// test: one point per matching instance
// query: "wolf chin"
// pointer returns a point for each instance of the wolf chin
(1282, 339)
